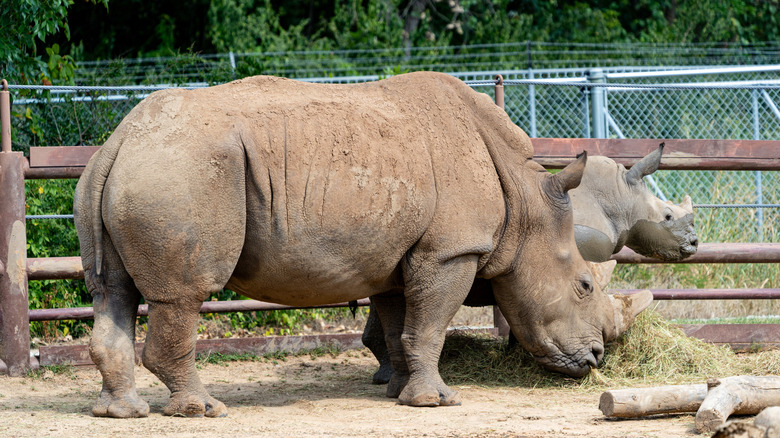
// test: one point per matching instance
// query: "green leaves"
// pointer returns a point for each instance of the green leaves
(26, 23)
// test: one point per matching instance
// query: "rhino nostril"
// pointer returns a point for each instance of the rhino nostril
(695, 242)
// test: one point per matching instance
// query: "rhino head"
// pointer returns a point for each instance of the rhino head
(660, 229)
(550, 296)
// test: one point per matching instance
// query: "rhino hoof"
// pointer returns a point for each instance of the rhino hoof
(194, 405)
(128, 406)
(428, 396)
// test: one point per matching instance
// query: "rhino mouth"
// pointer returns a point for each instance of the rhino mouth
(575, 365)
(677, 253)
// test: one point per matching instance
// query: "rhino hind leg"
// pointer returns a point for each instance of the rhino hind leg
(112, 346)
(374, 339)
(391, 313)
(169, 353)
(433, 293)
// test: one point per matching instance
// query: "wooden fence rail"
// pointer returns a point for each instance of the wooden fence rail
(69, 161)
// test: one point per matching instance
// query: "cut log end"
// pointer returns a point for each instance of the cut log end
(708, 421)
(607, 404)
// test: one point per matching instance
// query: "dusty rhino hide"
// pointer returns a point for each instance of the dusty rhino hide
(306, 194)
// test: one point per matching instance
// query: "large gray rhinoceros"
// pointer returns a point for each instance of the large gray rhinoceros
(306, 194)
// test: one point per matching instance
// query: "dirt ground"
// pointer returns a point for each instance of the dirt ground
(312, 396)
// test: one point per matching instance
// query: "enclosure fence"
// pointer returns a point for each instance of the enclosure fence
(588, 102)
(524, 55)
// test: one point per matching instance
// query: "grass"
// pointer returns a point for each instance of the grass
(755, 319)
(652, 352)
(329, 349)
(41, 372)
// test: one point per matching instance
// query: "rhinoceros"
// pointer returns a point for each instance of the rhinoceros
(612, 207)
(405, 189)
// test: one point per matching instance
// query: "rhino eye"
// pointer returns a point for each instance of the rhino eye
(586, 286)
(668, 217)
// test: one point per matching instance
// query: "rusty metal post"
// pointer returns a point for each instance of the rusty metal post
(500, 91)
(14, 316)
(5, 117)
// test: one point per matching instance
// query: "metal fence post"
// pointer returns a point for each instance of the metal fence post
(757, 174)
(598, 104)
(499, 92)
(532, 106)
(14, 316)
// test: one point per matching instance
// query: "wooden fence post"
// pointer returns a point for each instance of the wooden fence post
(14, 316)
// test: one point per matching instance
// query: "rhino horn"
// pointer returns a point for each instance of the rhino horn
(627, 307)
(687, 204)
(569, 177)
(645, 166)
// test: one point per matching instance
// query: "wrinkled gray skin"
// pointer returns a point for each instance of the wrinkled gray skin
(612, 208)
(404, 189)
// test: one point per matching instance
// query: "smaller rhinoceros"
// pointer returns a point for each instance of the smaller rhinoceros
(612, 208)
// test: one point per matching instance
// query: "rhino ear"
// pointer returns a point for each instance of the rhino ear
(645, 166)
(569, 177)
(687, 204)
(602, 272)
(627, 307)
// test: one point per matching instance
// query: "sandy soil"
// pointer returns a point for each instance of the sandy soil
(308, 396)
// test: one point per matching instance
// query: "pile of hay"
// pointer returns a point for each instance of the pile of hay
(652, 351)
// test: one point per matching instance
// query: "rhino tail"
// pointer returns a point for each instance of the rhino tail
(97, 182)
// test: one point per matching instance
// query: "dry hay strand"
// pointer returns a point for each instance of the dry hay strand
(652, 351)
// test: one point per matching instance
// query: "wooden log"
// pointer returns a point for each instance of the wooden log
(55, 268)
(641, 402)
(740, 395)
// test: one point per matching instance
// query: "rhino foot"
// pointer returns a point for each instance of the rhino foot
(427, 395)
(125, 406)
(194, 405)
(383, 374)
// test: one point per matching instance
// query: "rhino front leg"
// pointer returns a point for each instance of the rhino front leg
(169, 353)
(433, 295)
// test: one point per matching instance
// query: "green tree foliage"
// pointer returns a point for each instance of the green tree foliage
(53, 238)
(25, 25)
(135, 28)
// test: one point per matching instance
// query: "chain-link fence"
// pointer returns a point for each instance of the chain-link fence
(718, 103)
(191, 68)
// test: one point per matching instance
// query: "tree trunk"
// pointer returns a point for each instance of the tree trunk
(411, 22)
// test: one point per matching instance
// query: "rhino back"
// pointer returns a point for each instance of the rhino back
(344, 182)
